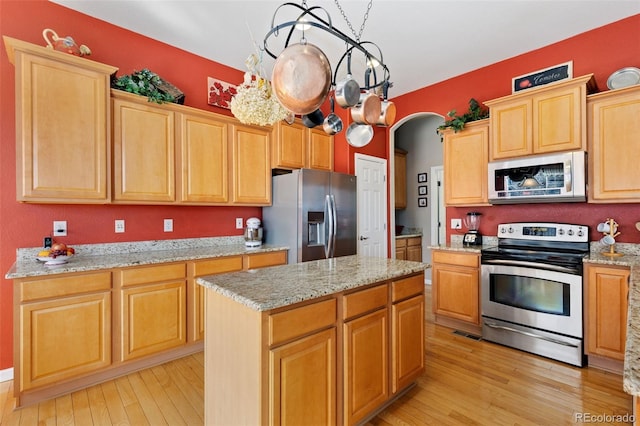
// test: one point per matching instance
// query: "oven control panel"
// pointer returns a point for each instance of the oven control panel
(544, 231)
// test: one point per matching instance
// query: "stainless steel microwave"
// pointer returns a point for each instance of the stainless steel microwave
(557, 177)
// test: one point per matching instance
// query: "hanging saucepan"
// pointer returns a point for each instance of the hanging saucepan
(347, 90)
(359, 135)
(368, 109)
(313, 119)
(387, 108)
(301, 78)
(332, 123)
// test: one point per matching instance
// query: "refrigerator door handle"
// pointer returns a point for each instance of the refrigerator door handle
(329, 218)
(334, 228)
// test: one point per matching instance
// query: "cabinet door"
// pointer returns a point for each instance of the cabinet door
(252, 166)
(558, 120)
(320, 150)
(400, 179)
(465, 165)
(511, 134)
(455, 292)
(143, 151)
(407, 337)
(607, 294)
(204, 159)
(64, 338)
(303, 379)
(153, 318)
(614, 133)
(62, 127)
(290, 142)
(366, 364)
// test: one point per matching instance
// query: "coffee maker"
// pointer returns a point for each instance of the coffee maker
(472, 222)
(253, 233)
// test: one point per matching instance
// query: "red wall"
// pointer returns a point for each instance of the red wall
(601, 52)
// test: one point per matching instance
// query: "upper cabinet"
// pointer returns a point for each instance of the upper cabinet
(251, 183)
(62, 125)
(296, 146)
(549, 119)
(614, 135)
(466, 154)
(400, 178)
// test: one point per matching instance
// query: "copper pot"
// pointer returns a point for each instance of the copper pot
(301, 78)
(368, 109)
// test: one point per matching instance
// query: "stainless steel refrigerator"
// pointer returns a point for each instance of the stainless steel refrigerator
(313, 213)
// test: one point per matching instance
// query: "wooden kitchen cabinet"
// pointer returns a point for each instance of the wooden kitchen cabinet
(400, 178)
(455, 289)
(409, 248)
(366, 352)
(295, 146)
(203, 158)
(614, 133)
(153, 309)
(606, 301)
(466, 155)
(251, 168)
(62, 126)
(143, 151)
(551, 118)
(63, 328)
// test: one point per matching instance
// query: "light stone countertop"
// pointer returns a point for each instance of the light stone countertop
(94, 257)
(278, 286)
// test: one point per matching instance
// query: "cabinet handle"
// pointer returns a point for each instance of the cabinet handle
(363, 238)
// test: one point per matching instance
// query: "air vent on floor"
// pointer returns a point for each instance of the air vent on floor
(467, 335)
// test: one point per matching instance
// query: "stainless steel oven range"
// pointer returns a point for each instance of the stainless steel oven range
(531, 289)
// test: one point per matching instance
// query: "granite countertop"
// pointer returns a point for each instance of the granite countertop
(278, 286)
(398, 236)
(93, 257)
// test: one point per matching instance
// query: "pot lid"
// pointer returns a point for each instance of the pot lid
(624, 77)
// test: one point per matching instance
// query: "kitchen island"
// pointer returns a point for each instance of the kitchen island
(321, 342)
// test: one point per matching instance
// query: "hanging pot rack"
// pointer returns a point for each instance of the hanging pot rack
(326, 25)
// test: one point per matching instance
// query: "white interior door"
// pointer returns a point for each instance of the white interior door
(372, 205)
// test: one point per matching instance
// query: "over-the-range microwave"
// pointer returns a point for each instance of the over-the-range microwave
(557, 177)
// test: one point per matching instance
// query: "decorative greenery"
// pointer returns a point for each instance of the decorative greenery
(145, 83)
(457, 122)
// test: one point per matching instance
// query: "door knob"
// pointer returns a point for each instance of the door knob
(363, 238)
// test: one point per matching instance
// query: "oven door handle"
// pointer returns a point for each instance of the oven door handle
(555, 268)
(537, 336)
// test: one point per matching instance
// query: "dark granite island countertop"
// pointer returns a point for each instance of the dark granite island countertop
(278, 286)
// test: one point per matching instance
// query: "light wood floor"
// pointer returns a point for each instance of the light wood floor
(467, 382)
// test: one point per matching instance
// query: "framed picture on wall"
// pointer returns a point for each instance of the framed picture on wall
(422, 202)
(422, 177)
(422, 190)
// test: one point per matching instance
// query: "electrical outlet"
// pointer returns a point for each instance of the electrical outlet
(168, 225)
(59, 228)
(119, 226)
(456, 223)
(239, 224)
(47, 242)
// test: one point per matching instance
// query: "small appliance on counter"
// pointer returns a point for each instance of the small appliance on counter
(472, 222)
(253, 233)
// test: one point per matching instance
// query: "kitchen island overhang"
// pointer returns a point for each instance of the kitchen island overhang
(297, 341)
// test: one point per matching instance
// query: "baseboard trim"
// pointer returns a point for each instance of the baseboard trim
(6, 375)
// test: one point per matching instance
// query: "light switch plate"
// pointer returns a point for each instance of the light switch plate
(168, 225)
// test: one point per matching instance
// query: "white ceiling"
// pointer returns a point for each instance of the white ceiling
(422, 41)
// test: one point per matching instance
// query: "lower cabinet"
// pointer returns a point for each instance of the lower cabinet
(456, 289)
(409, 248)
(606, 293)
(333, 361)
(64, 328)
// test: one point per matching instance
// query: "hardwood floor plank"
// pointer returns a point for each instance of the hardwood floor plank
(147, 403)
(47, 412)
(191, 394)
(169, 410)
(131, 405)
(81, 410)
(98, 406)
(114, 403)
(64, 411)
(10, 416)
(184, 407)
(29, 415)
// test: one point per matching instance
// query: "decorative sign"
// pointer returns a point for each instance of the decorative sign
(541, 77)
(220, 93)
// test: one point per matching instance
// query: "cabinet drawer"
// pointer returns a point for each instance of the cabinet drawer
(217, 266)
(414, 241)
(64, 286)
(262, 260)
(364, 301)
(296, 322)
(150, 274)
(401, 242)
(458, 259)
(407, 287)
